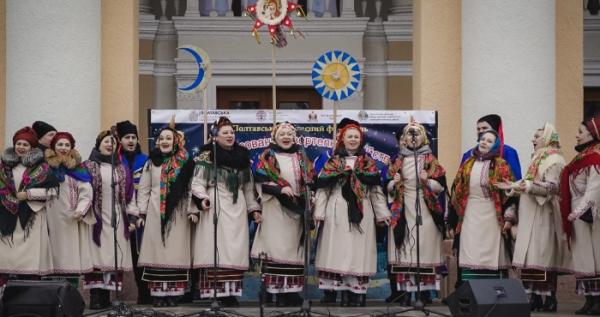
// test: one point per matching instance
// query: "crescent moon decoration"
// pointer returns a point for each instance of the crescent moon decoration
(274, 14)
(204, 68)
(336, 75)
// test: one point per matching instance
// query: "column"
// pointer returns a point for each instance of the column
(2, 70)
(348, 9)
(569, 70)
(193, 8)
(120, 54)
(375, 83)
(53, 66)
(508, 68)
(436, 73)
(165, 50)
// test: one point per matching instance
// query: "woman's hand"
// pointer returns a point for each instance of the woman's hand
(193, 218)
(384, 222)
(506, 227)
(22, 196)
(397, 177)
(572, 216)
(140, 222)
(78, 215)
(288, 191)
(257, 217)
(423, 177)
(505, 185)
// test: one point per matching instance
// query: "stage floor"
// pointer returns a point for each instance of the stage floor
(374, 308)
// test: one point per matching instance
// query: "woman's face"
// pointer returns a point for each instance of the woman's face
(351, 140)
(22, 147)
(166, 140)
(106, 146)
(419, 138)
(486, 141)
(285, 137)
(226, 136)
(583, 135)
(538, 141)
(62, 146)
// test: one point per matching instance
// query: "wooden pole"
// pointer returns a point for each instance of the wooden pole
(205, 101)
(274, 84)
(334, 123)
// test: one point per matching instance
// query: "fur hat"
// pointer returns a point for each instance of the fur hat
(493, 120)
(101, 137)
(41, 128)
(27, 134)
(126, 127)
(62, 135)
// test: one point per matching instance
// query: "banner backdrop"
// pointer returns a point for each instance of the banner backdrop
(315, 131)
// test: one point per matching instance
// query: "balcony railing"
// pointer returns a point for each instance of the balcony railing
(166, 9)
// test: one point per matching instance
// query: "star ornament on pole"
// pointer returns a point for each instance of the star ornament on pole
(274, 14)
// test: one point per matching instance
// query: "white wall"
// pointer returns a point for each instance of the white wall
(53, 67)
(508, 68)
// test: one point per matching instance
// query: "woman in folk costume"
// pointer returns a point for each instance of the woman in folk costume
(281, 173)
(483, 214)
(349, 201)
(236, 200)
(401, 182)
(579, 205)
(540, 250)
(162, 202)
(103, 279)
(69, 215)
(25, 184)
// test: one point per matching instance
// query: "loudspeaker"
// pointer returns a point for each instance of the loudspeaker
(42, 299)
(490, 298)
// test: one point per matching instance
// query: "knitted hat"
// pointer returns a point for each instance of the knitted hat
(101, 137)
(62, 135)
(41, 128)
(27, 134)
(126, 127)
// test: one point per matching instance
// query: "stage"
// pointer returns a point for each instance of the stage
(374, 308)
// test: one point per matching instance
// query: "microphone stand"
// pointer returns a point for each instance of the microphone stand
(118, 308)
(215, 307)
(418, 305)
(305, 309)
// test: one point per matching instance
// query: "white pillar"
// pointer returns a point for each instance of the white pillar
(165, 50)
(53, 73)
(310, 8)
(213, 8)
(508, 68)
(193, 8)
(348, 9)
(326, 12)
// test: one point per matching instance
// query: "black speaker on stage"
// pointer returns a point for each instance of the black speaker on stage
(41, 299)
(489, 297)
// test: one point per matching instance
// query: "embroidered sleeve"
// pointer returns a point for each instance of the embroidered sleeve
(250, 195)
(379, 204)
(84, 197)
(40, 194)
(321, 198)
(591, 196)
(548, 186)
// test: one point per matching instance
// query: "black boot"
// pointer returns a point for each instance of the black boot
(281, 300)
(360, 300)
(425, 297)
(346, 297)
(394, 295)
(535, 302)
(294, 299)
(595, 309)
(329, 297)
(589, 301)
(157, 301)
(171, 301)
(407, 300)
(105, 298)
(95, 298)
(550, 305)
